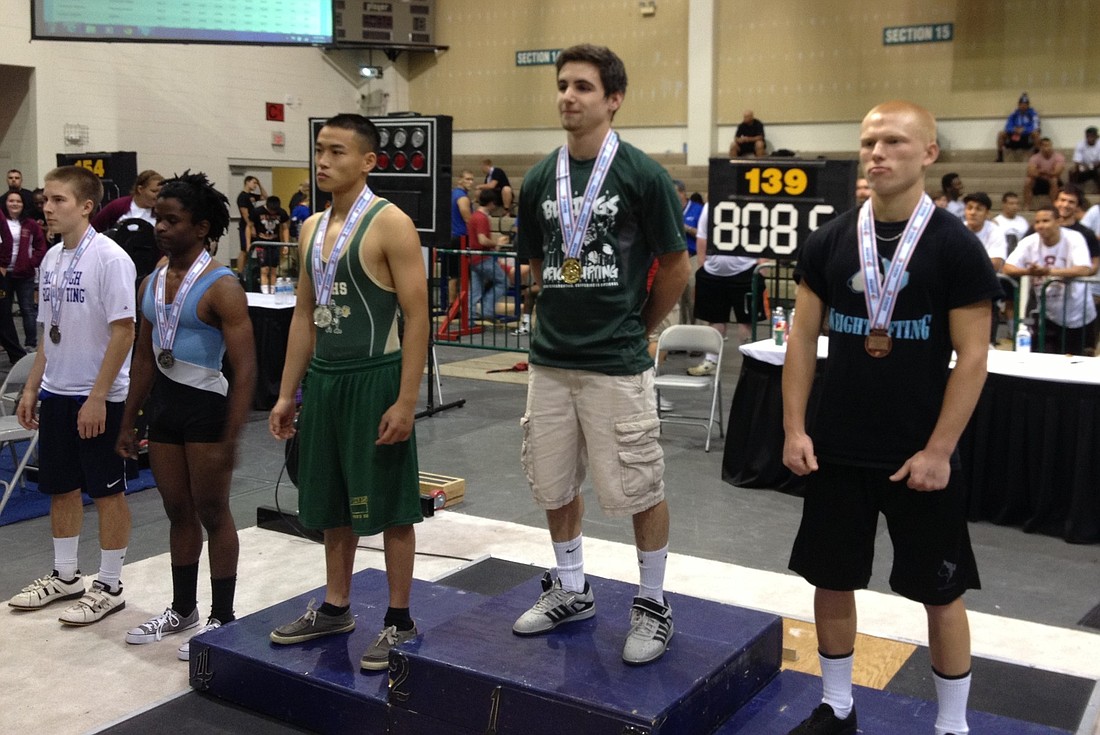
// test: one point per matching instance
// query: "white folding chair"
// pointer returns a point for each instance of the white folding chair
(692, 338)
(11, 432)
(13, 384)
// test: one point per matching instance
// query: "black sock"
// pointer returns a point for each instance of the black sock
(329, 609)
(185, 585)
(398, 617)
(221, 598)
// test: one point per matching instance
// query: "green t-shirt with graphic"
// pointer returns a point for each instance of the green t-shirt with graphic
(596, 324)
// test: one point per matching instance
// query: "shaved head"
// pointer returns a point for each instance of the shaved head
(921, 124)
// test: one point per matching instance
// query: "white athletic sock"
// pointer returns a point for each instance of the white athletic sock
(952, 695)
(525, 319)
(836, 680)
(570, 558)
(65, 556)
(110, 567)
(651, 568)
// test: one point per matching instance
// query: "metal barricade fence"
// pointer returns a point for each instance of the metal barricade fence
(457, 321)
(1084, 337)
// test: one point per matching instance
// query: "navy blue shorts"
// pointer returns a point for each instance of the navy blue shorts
(67, 462)
(933, 561)
(182, 414)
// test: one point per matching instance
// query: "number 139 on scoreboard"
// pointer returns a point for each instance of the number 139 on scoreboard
(766, 208)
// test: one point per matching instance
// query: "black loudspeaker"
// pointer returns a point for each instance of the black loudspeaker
(118, 170)
(413, 171)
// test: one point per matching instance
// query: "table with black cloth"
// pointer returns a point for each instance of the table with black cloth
(271, 329)
(1030, 456)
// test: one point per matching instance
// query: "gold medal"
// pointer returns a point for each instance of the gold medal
(166, 359)
(878, 343)
(571, 270)
(322, 316)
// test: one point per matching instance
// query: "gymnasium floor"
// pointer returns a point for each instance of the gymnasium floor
(728, 544)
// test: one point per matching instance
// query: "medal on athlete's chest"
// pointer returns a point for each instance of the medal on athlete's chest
(322, 316)
(573, 228)
(881, 292)
(55, 334)
(324, 273)
(166, 359)
(168, 320)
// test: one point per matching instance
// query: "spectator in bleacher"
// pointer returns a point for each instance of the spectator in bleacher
(15, 183)
(953, 189)
(1086, 159)
(748, 139)
(1056, 252)
(976, 219)
(863, 191)
(496, 179)
(1044, 172)
(692, 210)
(487, 280)
(271, 224)
(1021, 131)
(138, 205)
(1009, 220)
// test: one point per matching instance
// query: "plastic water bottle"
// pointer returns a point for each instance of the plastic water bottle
(282, 290)
(1023, 338)
(779, 324)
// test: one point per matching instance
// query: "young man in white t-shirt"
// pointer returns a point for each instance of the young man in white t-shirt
(1052, 252)
(1009, 220)
(81, 375)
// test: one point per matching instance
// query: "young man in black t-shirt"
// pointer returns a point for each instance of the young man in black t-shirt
(270, 223)
(890, 412)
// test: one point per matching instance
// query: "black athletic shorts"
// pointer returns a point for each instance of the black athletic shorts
(182, 414)
(67, 462)
(715, 296)
(267, 255)
(933, 561)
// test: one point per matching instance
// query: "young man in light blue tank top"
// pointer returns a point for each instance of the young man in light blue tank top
(357, 472)
(195, 414)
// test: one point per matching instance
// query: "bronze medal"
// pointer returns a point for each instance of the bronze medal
(322, 316)
(166, 359)
(571, 270)
(55, 334)
(878, 343)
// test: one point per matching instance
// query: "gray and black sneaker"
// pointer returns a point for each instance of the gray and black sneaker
(650, 631)
(166, 623)
(554, 607)
(822, 721)
(377, 657)
(313, 625)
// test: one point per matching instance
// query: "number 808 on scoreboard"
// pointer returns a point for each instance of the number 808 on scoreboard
(766, 208)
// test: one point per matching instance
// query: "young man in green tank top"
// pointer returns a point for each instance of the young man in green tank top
(357, 460)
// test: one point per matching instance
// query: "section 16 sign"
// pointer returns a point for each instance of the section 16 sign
(766, 208)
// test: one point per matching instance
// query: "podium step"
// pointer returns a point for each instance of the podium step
(790, 697)
(316, 685)
(475, 676)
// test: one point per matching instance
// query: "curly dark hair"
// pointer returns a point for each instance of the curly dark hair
(199, 197)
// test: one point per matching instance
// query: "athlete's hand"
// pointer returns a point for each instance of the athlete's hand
(798, 454)
(126, 445)
(926, 471)
(281, 419)
(27, 411)
(91, 419)
(396, 425)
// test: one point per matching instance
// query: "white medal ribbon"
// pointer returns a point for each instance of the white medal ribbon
(61, 281)
(882, 295)
(573, 232)
(324, 275)
(167, 324)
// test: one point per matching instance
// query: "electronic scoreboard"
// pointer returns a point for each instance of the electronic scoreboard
(767, 207)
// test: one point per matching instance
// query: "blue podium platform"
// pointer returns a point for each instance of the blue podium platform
(481, 678)
(317, 684)
(791, 696)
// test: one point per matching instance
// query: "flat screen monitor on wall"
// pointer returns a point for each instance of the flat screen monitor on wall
(265, 22)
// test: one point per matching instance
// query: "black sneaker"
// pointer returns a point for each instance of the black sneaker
(822, 721)
(313, 625)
